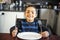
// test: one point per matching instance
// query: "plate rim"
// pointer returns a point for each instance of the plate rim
(29, 32)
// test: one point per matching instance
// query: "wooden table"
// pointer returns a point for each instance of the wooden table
(6, 36)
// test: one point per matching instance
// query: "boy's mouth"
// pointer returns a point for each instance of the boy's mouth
(29, 16)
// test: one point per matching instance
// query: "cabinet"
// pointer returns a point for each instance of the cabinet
(8, 19)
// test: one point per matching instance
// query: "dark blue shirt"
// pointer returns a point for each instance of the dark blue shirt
(29, 26)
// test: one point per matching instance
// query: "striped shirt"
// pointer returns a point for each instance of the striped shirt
(29, 27)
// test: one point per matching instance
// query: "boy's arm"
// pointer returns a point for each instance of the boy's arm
(18, 25)
(43, 30)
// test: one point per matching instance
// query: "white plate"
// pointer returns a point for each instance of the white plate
(29, 35)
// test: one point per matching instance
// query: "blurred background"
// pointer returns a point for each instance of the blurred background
(48, 12)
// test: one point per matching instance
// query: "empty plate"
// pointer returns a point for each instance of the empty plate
(29, 35)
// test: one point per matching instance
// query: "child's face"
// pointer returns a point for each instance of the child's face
(30, 13)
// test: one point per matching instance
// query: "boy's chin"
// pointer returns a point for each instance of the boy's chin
(30, 19)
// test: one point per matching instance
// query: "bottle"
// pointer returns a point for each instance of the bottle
(16, 5)
(20, 5)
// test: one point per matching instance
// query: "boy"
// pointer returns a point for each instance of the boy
(31, 24)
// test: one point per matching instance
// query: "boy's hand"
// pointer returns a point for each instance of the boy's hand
(45, 34)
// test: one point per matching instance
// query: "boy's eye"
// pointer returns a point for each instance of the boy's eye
(27, 11)
(32, 12)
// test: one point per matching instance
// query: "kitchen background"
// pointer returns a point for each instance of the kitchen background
(48, 11)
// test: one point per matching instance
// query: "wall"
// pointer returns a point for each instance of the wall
(58, 25)
(49, 15)
(44, 14)
(51, 18)
(8, 20)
